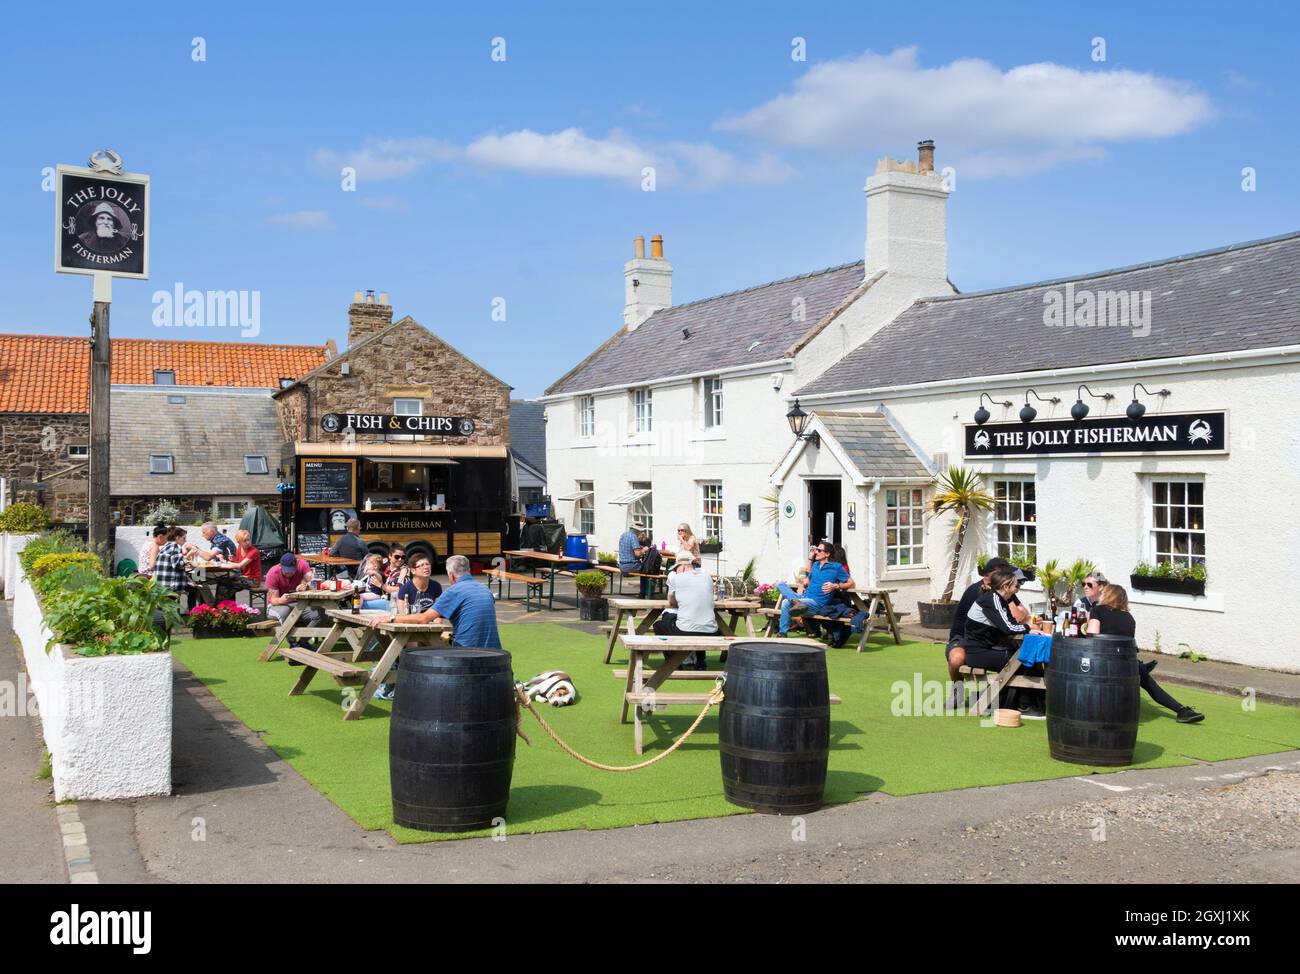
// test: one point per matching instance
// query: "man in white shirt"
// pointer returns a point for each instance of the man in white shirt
(690, 606)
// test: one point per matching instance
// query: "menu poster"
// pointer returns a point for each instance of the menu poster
(328, 483)
(312, 543)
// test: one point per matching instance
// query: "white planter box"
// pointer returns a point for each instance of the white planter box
(107, 720)
(10, 546)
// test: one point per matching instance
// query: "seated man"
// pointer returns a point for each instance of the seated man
(824, 580)
(651, 564)
(629, 544)
(292, 574)
(955, 651)
(351, 545)
(690, 606)
(467, 605)
(222, 547)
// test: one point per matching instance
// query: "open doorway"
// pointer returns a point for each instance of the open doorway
(823, 510)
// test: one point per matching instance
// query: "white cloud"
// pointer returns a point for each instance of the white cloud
(567, 153)
(384, 159)
(984, 119)
(303, 220)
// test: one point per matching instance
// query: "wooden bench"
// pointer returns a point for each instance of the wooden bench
(880, 609)
(344, 672)
(997, 682)
(533, 586)
(266, 625)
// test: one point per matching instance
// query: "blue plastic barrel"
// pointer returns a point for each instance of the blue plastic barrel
(575, 546)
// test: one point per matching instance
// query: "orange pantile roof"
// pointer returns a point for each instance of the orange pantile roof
(51, 373)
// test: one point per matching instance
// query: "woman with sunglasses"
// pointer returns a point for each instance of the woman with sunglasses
(1092, 586)
(395, 570)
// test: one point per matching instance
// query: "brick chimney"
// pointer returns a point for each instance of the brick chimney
(907, 221)
(367, 315)
(647, 282)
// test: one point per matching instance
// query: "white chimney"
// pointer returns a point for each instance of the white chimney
(906, 220)
(647, 282)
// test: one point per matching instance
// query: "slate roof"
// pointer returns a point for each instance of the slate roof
(735, 329)
(874, 446)
(1246, 296)
(51, 373)
(528, 433)
(208, 436)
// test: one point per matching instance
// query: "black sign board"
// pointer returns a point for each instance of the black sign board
(103, 222)
(1164, 433)
(404, 521)
(327, 483)
(311, 543)
(398, 425)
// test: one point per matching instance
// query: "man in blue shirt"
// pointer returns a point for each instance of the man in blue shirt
(466, 604)
(629, 548)
(824, 580)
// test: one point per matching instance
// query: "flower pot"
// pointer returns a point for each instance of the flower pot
(936, 615)
(1176, 586)
(222, 633)
(593, 610)
(710, 547)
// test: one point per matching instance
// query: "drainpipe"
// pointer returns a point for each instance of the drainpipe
(872, 581)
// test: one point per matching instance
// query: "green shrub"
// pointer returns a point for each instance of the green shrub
(69, 578)
(607, 557)
(51, 542)
(24, 518)
(164, 512)
(48, 563)
(591, 584)
(114, 618)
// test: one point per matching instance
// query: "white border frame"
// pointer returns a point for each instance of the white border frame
(136, 178)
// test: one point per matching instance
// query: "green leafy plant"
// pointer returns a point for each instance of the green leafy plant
(115, 617)
(69, 578)
(1079, 570)
(163, 512)
(1190, 654)
(24, 518)
(607, 558)
(747, 573)
(1167, 569)
(771, 507)
(959, 492)
(1143, 570)
(1021, 558)
(51, 542)
(1051, 577)
(50, 562)
(591, 584)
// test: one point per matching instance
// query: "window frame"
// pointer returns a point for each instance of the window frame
(642, 510)
(1150, 545)
(158, 372)
(171, 464)
(585, 509)
(83, 447)
(586, 417)
(1029, 526)
(914, 510)
(266, 467)
(419, 406)
(712, 404)
(707, 510)
(642, 410)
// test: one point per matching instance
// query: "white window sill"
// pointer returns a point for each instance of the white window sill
(640, 439)
(905, 574)
(583, 444)
(1209, 602)
(716, 433)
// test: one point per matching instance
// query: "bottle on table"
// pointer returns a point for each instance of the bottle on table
(356, 600)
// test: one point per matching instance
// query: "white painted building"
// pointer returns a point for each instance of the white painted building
(891, 364)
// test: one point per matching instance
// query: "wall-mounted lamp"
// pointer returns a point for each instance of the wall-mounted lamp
(1136, 409)
(798, 421)
(1028, 412)
(1080, 408)
(982, 415)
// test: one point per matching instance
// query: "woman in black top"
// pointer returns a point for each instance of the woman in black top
(990, 626)
(1110, 617)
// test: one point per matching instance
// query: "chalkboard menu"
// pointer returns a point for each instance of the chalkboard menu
(327, 483)
(311, 543)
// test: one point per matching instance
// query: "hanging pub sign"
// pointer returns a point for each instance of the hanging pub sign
(1162, 433)
(380, 423)
(103, 219)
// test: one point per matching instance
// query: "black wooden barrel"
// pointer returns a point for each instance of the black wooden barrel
(451, 740)
(1093, 695)
(774, 727)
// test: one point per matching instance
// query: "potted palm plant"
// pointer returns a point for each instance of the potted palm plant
(592, 605)
(1074, 578)
(1051, 576)
(959, 492)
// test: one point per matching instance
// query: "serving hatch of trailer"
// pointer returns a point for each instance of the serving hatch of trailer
(440, 499)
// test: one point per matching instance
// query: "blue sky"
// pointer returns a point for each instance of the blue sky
(520, 179)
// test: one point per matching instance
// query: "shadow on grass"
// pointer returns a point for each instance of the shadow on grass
(532, 803)
(842, 786)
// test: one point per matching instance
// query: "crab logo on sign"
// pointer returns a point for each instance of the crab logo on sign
(982, 440)
(330, 423)
(1199, 432)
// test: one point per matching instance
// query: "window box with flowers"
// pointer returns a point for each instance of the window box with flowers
(225, 620)
(1168, 577)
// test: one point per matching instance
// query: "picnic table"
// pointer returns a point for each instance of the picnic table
(875, 602)
(641, 687)
(544, 559)
(298, 602)
(204, 575)
(345, 668)
(1034, 648)
(640, 614)
(331, 563)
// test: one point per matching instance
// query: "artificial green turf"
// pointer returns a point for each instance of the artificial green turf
(872, 749)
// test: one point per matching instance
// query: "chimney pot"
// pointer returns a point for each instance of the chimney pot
(925, 155)
(638, 247)
(356, 297)
(657, 246)
(383, 297)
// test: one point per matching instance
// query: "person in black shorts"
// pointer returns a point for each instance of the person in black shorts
(955, 651)
(991, 627)
(1110, 617)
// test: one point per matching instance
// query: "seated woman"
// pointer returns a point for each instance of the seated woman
(1110, 617)
(651, 563)
(840, 607)
(991, 628)
(370, 576)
